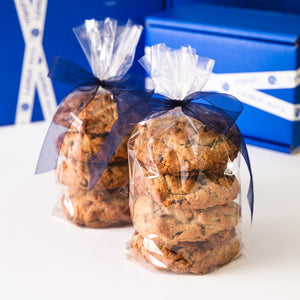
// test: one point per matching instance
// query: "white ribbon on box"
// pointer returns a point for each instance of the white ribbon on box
(245, 87)
(32, 16)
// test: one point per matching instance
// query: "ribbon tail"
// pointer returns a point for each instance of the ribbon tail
(250, 194)
(221, 125)
(133, 107)
(49, 153)
(65, 115)
(100, 160)
(220, 117)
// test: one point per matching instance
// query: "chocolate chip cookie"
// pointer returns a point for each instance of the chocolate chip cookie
(76, 175)
(96, 118)
(180, 144)
(99, 116)
(82, 147)
(193, 191)
(194, 259)
(97, 209)
(173, 225)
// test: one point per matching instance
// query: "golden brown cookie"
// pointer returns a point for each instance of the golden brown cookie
(212, 241)
(193, 259)
(82, 147)
(100, 115)
(96, 118)
(76, 175)
(97, 209)
(179, 144)
(194, 191)
(173, 225)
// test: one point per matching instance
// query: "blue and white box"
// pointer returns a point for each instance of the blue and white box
(33, 32)
(257, 60)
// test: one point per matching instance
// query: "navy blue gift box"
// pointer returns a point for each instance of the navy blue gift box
(257, 60)
(33, 32)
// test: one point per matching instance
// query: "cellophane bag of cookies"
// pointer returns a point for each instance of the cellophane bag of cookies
(109, 48)
(184, 177)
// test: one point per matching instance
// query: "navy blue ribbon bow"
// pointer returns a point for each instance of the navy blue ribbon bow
(86, 86)
(217, 111)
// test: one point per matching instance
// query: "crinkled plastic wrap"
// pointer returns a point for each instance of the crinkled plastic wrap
(184, 177)
(110, 50)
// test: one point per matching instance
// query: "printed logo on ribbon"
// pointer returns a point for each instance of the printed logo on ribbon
(32, 14)
(246, 86)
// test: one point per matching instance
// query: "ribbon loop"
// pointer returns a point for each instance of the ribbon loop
(67, 72)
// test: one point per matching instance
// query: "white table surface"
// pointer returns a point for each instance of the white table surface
(43, 258)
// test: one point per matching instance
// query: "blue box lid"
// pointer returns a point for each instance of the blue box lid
(246, 23)
(286, 6)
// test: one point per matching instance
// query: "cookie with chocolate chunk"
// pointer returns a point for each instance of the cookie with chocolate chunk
(180, 144)
(192, 191)
(97, 209)
(194, 259)
(212, 241)
(97, 117)
(173, 225)
(82, 147)
(76, 175)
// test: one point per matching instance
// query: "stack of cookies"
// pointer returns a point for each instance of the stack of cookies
(183, 197)
(107, 204)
